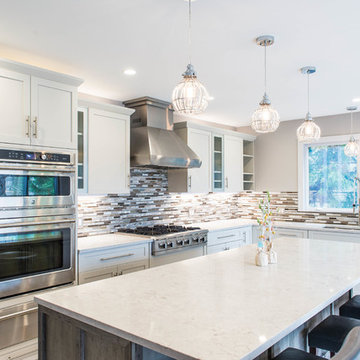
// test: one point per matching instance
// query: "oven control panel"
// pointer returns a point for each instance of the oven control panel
(31, 156)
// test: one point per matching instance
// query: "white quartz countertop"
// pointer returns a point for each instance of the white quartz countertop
(109, 240)
(219, 306)
(236, 223)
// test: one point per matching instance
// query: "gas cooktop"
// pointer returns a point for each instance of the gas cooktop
(158, 230)
(169, 238)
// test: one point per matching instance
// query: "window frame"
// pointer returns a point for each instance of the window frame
(303, 172)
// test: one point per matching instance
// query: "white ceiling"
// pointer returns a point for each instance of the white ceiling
(96, 40)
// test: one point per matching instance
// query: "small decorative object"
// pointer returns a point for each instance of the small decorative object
(261, 258)
(267, 229)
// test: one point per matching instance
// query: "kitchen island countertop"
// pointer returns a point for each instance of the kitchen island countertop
(218, 306)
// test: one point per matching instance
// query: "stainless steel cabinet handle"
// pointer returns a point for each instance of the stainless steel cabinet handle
(27, 126)
(36, 223)
(190, 182)
(18, 313)
(227, 182)
(226, 248)
(225, 236)
(35, 129)
(116, 257)
(128, 181)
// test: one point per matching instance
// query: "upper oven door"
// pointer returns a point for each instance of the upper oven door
(36, 186)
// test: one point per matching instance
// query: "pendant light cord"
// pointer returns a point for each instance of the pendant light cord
(265, 70)
(351, 122)
(189, 32)
(308, 91)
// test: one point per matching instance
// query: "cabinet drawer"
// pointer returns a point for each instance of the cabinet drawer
(112, 256)
(218, 237)
(284, 232)
(217, 248)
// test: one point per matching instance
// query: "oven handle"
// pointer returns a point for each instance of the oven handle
(18, 313)
(44, 222)
(38, 168)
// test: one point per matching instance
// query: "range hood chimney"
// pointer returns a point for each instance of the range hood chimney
(153, 142)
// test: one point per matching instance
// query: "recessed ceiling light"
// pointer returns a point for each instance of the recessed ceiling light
(356, 100)
(129, 72)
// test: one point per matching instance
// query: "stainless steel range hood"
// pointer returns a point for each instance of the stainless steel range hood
(153, 143)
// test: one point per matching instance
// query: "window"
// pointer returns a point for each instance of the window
(326, 176)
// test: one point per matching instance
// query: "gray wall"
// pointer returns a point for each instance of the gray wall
(276, 153)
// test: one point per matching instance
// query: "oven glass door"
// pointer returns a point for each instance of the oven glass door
(25, 188)
(34, 252)
(26, 185)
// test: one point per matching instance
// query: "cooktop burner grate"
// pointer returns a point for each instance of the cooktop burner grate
(158, 230)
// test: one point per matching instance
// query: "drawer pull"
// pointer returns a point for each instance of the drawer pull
(116, 257)
(226, 236)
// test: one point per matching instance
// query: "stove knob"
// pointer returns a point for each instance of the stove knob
(170, 244)
(195, 240)
(180, 242)
(43, 157)
(162, 246)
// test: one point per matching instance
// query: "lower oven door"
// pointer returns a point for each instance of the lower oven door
(36, 256)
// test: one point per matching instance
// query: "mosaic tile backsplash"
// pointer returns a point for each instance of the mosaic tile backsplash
(150, 203)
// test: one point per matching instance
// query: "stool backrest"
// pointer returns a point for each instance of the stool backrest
(350, 349)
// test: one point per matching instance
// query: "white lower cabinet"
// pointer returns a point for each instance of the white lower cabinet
(335, 235)
(222, 240)
(104, 263)
(284, 232)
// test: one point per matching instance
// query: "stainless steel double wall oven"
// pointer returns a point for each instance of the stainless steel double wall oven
(37, 219)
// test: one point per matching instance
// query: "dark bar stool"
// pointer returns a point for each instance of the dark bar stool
(351, 308)
(331, 333)
(350, 350)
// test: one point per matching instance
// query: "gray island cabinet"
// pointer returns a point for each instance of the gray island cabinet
(219, 306)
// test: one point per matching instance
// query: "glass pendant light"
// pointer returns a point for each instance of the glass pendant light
(190, 96)
(265, 119)
(308, 131)
(352, 148)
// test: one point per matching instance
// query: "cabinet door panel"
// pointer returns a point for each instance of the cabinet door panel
(108, 153)
(200, 179)
(53, 114)
(233, 163)
(14, 107)
(98, 274)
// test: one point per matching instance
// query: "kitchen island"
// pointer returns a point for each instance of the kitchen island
(219, 306)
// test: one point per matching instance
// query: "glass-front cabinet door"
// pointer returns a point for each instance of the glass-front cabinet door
(82, 150)
(218, 163)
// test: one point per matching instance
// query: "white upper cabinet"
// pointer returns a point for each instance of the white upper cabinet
(233, 163)
(14, 107)
(196, 180)
(107, 131)
(199, 179)
(37, 107)
(221, 153)
(53, 114)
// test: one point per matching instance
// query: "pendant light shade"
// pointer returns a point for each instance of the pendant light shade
(190, 96)
(352, 148)
(265, 119)
(308, 130)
